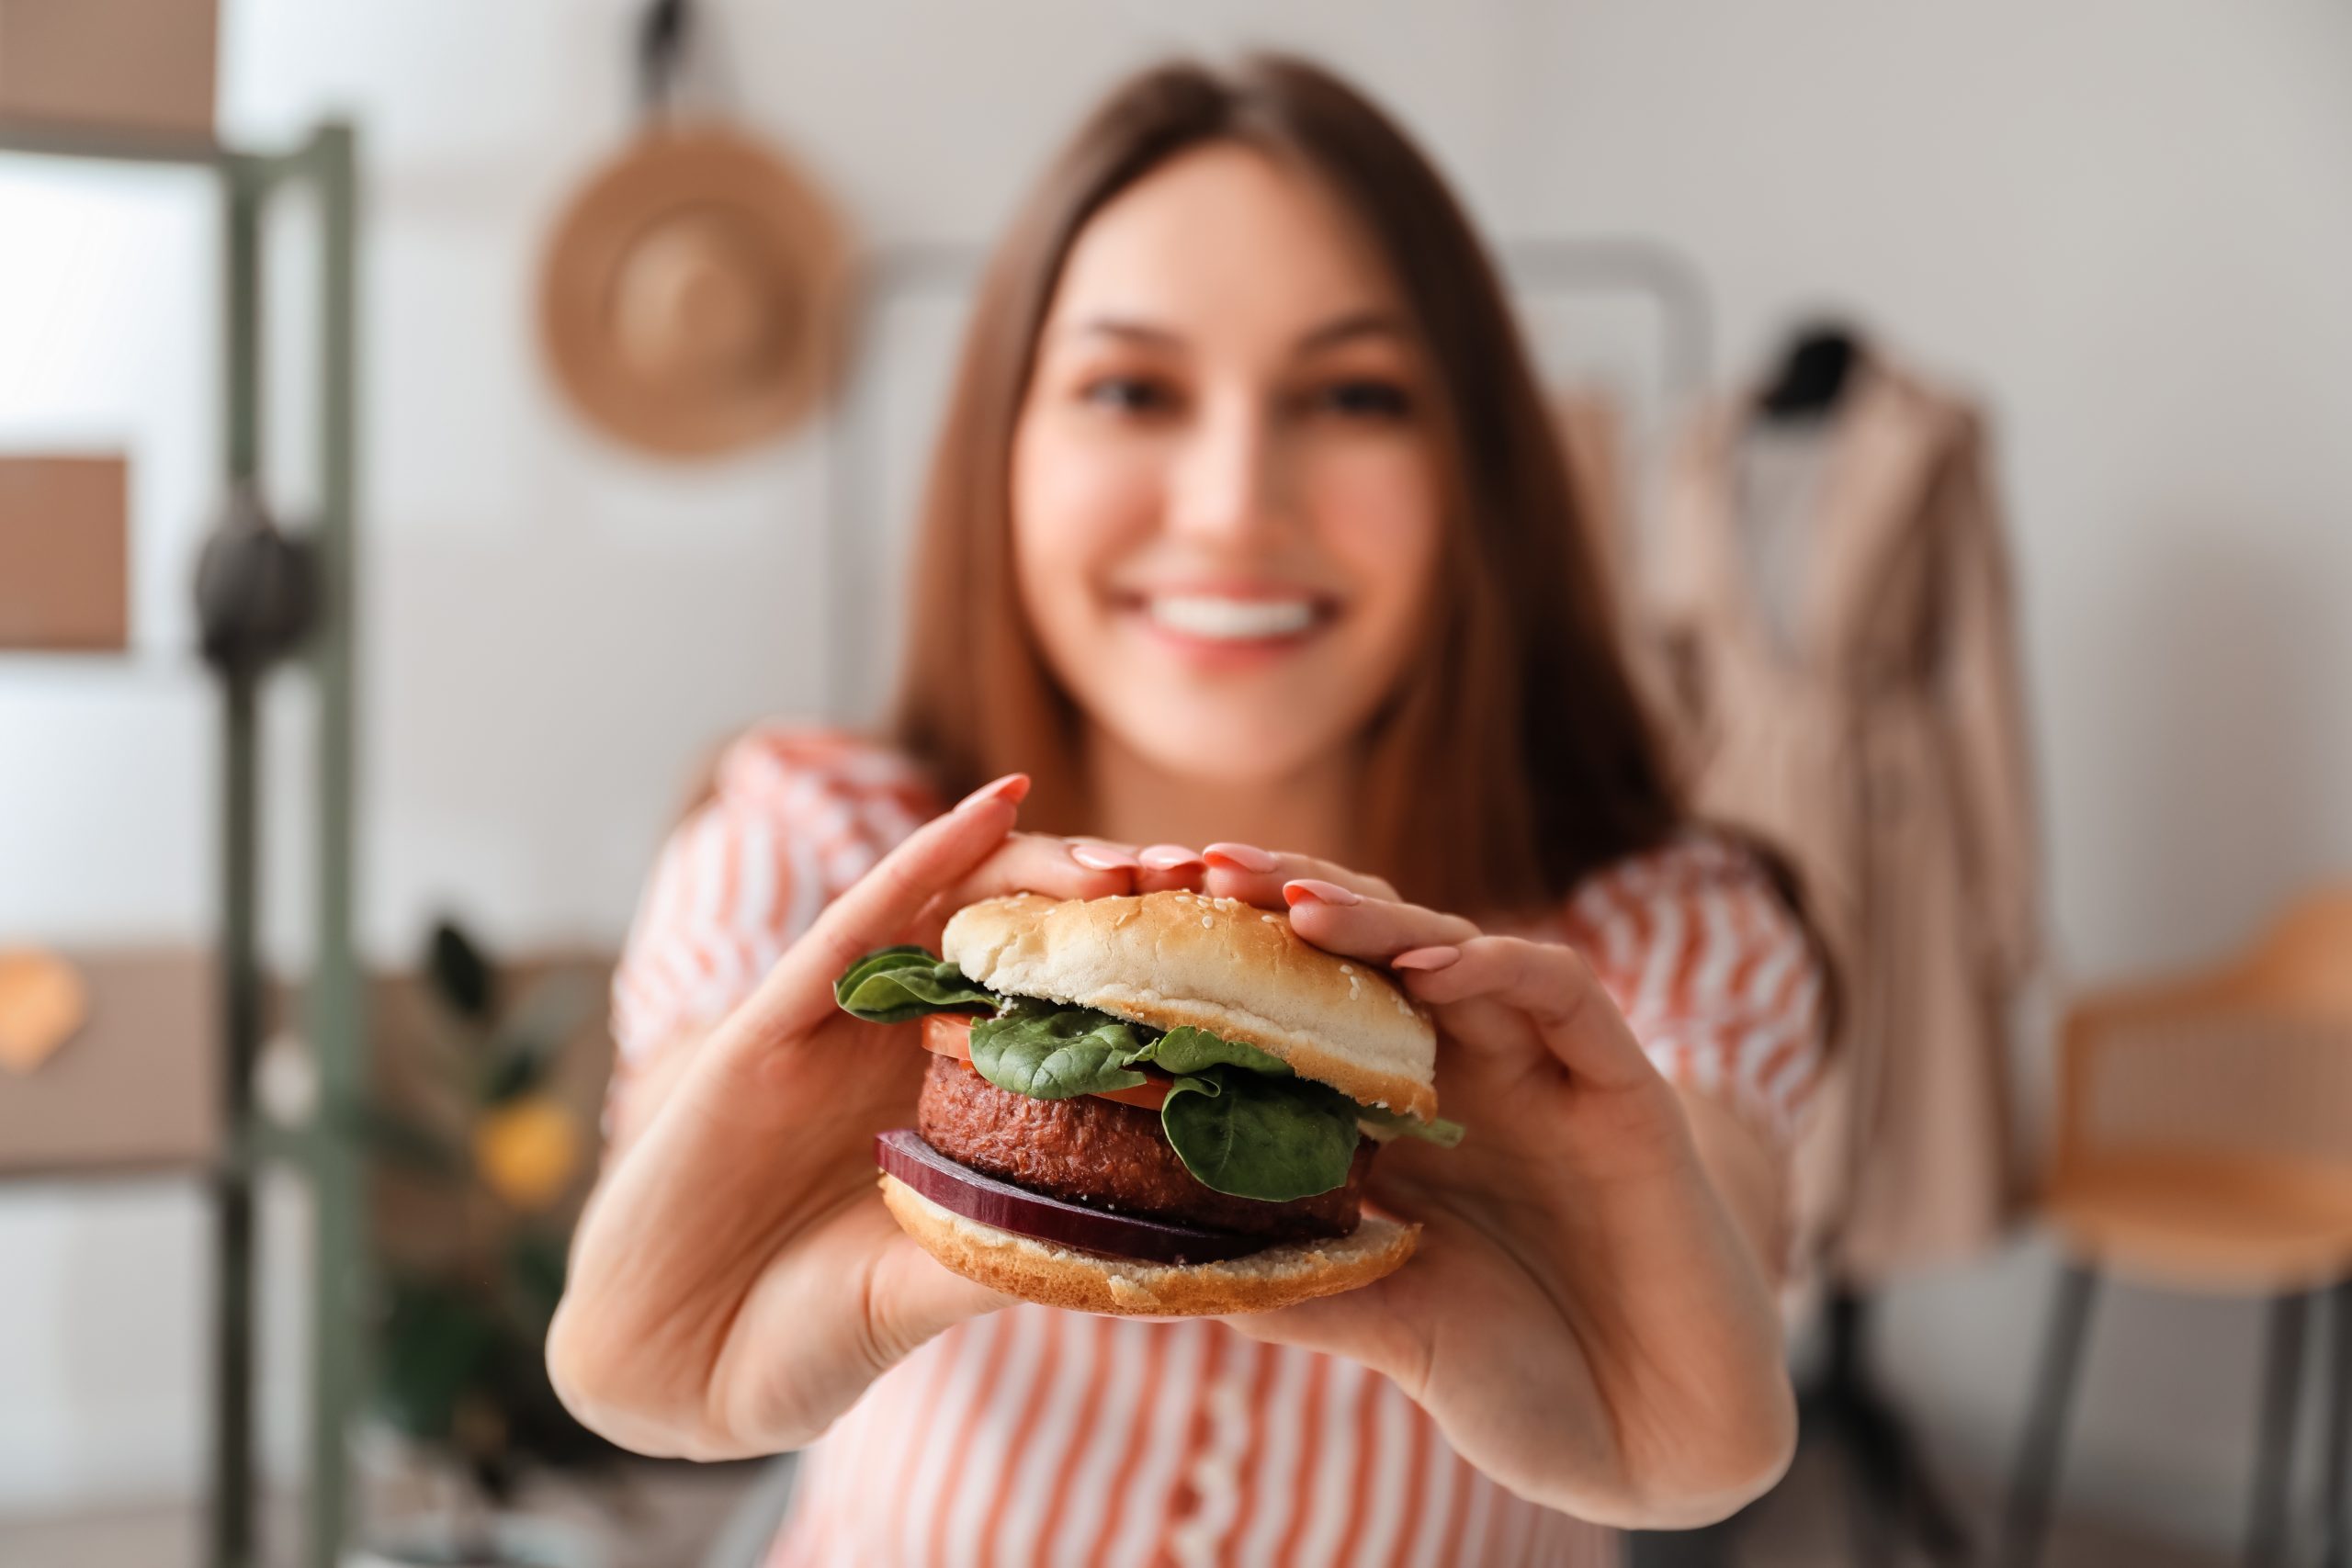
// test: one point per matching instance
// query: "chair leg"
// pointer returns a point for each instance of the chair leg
(2339, 1442)
(2337, 1451)
(2027, 1524)
(2274, 1461)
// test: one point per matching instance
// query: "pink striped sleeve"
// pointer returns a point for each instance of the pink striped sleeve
(795, 817)
(1713, 971)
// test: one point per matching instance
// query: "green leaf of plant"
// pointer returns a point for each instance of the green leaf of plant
(1437, 1130)
(1255, 1137)
(435, 1349)
(516, 1065)
(403, 1140)
(461, 976)
(535, 1270)
(531, 1036)
(1054, 1052)
(896, 984)
(1188, 1050)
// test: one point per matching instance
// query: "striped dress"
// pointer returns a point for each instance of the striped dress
(1034, 1436)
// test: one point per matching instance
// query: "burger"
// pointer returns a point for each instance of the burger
(1159, 1105)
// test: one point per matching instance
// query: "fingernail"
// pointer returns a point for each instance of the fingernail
(1426, 958)
(1012, 789)
(1305, 887)
(1243, 857)
(1097, 857)
(1169, 857)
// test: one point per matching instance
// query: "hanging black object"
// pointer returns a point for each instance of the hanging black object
(256, 589)
(662, 40)
(1814, 371)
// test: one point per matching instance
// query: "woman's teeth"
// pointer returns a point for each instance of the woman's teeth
(1230, 620)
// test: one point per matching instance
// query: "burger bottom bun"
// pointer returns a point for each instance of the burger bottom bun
(1085, 1281)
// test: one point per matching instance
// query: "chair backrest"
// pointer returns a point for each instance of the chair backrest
(2303, 966)
(2253, 1057)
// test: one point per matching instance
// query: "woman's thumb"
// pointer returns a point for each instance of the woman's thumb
(797, 995)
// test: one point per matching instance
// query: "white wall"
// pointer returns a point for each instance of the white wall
(2124, 222)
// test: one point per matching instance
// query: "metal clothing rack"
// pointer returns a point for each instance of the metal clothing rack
(1535, 267)
(323, 1155)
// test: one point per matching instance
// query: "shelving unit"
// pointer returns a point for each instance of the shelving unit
(323, 1155)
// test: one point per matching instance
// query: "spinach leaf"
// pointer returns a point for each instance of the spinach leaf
(1254, 1137)
(1188, 1050)
(1050, 1052)
(1438, 1130)
(896, 984)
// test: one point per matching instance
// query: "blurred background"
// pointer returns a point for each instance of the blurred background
(2119, 232)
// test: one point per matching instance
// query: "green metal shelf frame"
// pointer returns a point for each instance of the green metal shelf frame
(330, 1163)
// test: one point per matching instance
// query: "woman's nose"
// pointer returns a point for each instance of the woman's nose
(1228, 486)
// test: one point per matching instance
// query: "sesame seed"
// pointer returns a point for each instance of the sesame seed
(1208, 919)
(1347, 968)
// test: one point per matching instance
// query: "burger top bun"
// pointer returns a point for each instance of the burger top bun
(1175, 959)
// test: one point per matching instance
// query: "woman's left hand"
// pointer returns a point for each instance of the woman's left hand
(1583, 1318)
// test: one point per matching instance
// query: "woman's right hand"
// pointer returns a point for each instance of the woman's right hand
(736, 1282)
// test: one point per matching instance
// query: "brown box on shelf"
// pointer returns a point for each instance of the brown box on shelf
(137, 1088)
(64, 552)
(131, 64)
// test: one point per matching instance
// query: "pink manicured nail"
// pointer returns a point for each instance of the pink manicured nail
(1169, 857)
(1242, 857)
(1100, 857)
(1426, 958)
(1012, 788)
(1305, 887)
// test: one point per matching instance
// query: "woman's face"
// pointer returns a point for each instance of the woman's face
(1226, 479)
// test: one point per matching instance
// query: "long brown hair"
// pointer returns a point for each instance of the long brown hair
(1514, 757)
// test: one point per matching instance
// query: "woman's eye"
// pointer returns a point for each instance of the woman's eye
(1129, 394)
(1365, 398)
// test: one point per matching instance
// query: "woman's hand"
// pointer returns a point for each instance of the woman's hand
(1583, 1318)
(736, 1282)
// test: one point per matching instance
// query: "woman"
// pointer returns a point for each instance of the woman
(1246, 530)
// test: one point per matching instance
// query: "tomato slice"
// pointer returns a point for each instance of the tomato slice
(1148, 1094)
(950, 1034)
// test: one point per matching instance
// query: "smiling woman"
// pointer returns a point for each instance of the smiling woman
(1246, 524)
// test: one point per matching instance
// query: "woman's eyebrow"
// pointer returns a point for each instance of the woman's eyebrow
(1348, 328)
(1126, 328)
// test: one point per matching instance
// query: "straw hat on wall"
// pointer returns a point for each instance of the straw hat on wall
(695, 293)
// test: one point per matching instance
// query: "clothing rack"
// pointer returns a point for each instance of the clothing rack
(1535, 267)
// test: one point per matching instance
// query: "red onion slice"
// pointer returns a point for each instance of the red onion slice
(961, 1189)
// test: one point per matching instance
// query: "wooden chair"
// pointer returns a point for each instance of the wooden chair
(2204, 1144)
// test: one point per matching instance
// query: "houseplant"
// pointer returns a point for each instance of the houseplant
(479, 1164)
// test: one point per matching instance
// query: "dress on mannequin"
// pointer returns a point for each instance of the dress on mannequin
(1847, 688)
(1830, 591)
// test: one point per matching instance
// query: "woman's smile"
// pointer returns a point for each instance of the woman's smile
(1228, 623)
